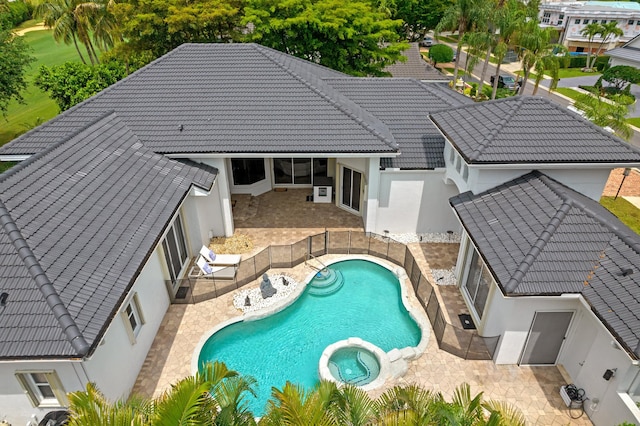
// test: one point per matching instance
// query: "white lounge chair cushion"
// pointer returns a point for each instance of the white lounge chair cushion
(219, 259)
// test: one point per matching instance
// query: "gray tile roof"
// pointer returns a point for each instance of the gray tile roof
(416, 67)
(629, 53)
(403, 105)
(219, 98)
(509, 131)
(539, 237)
(91, 210)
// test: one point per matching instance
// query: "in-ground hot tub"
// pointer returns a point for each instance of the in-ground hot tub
(356, 362)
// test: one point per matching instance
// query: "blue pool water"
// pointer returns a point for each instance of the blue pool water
(287, 346)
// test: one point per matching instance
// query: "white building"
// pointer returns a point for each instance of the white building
(114, 197)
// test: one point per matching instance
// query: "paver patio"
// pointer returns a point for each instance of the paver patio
(283, 219)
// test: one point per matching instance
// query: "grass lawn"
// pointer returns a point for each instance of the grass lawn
(573, 72)
(634, 121)
(448, 39)
(569, 93)
(624, 210)
(38, 107)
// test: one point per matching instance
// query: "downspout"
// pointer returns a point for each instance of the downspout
(60, 312)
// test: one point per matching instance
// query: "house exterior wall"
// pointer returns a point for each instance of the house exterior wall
(619, 61)
(590, 182)
(590, 350)
(15, 407)
(223, 192)
(116, 353)
(415, 202)
(207, 219)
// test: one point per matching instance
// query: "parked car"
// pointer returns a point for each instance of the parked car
(506, 81)
(426, 42)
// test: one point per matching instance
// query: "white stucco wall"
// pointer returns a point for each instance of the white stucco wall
(223, 192)
(589, 182)
(115, 364)
(208, 218)
(589, 351)
(15, 407)
(415, 201)
(511, 318)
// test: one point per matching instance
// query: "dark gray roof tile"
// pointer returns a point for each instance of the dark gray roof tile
(588, 245)
(508, 131)
(82, 222)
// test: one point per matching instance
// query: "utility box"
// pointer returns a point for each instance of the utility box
(322, 189)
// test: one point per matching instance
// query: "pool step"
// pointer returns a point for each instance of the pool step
(326, 282)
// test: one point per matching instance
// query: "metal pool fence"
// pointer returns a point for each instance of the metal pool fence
(463, 343)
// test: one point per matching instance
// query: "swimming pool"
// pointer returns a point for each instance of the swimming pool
(287, 345)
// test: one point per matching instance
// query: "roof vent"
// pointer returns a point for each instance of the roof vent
(3, 299)
(180, 127)
(627, 272)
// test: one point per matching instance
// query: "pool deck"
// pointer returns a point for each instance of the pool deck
(534, 390)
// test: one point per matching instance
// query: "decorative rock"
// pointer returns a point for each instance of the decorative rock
(258, 303)
(442, 237)
(444, 276)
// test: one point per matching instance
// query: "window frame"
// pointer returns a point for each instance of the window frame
(577, 21)
(133, 308)
(32, 388)
(179, 246)
(477, 279)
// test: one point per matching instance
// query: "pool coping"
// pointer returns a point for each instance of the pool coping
(395, 355)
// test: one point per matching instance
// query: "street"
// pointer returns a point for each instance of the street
(543, 90)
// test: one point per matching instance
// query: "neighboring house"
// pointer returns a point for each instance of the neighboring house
(114, 197)
(416, 67)
(570, 18)
(627, 54)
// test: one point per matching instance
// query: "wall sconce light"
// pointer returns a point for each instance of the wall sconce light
(609, 374)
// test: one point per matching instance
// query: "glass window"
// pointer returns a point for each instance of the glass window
(595, 21)
(175, 249)
(604, 21)
(630, 22)
(634, 389)
(585, 21)
(577, 21)
(43, 388)
(133, 318)
(477, 282)
(247, 170)
(298, 171)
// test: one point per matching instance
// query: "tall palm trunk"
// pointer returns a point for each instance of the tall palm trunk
(461, 28)
(75, 43)
(484, 70)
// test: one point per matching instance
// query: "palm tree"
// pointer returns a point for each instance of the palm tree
(408, 405)
(352, 406)
(74, 21)
(606, 31)
(537, 52)
(213, 396)
(460, 16)
(605, 113)
(90, 407)
(508, 19)
(590, 31)
(293, 406)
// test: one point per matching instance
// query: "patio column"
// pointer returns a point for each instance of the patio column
(370, 213)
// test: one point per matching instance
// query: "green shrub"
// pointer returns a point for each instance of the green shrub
(577, 62)
(601, 63)
(440, 53)
(19, 11)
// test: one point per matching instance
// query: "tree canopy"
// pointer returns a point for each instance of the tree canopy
(350, 36)
(419, 16)
(621, 75)
(73, 82)
(439, 53)
(14, 59)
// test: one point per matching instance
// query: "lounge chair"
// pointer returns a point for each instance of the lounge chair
(219, 259)
(207, 270)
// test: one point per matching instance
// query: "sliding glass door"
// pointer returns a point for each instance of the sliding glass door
(351, 186)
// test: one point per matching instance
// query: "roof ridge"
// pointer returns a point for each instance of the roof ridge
(51, 296)
(107, 89)
(34, 157)
(538, 246)
(431, 88)
(486, 141)
(391, 143)
(629, 238)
